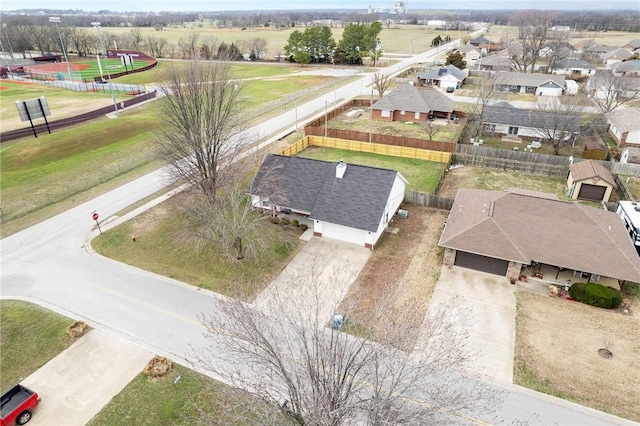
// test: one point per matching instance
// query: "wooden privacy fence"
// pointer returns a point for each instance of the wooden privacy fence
(622, 187)
(374, 148)
(428, 200)
(512, 165)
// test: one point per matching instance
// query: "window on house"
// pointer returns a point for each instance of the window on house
(417, 115)
(401, 112)
(386, 113)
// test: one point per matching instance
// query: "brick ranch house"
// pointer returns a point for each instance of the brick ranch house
(410, 103)
(524, 232)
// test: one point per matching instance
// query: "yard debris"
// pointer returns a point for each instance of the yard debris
(553, 291)
(158, 366)
(78, 329)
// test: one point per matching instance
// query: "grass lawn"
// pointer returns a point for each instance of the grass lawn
(422, 175)
(633, 185)
(448, 132)
(62, 103)
(29, 337)
(162, 247)
(498, 180)
(195, 399)
(43, 171)
(556, 352)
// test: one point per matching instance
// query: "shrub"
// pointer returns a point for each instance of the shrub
(295, 223)
(275, 220)
(303, 226)
(284, 221)
(596, 295)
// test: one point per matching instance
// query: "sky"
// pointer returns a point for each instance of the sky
(215, 5)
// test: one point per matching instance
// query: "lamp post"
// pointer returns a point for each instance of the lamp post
(96, 25)
(4, 28)
(56, 20)
(410, 45)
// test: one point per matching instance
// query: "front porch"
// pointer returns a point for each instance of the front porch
(552, 275)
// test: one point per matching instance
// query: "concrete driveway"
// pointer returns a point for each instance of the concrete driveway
(485, 309)
(315, 281)
(76, 384)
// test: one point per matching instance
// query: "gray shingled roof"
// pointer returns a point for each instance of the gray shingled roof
(590, 169)
(626, 119)
(632, 65)
(600, 48)
(496, 61)
(618, 53)
(438, 73)
(523, 79)
(480, 40)
(524, 228)
(506, 114)
(408, 97)
(357, 200)
(574, 63)
(635, 43)
(468, 48)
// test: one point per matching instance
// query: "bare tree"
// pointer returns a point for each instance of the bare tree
(136, 37)
(532, 34)
(483, 96)
(381, 83)
(203, 124)
(557, 48)
(558, 123)
(608, 91)
(189, 46)
(284, 351)
(82, 41)
(431, 129)
(257, 48)
(232, 223)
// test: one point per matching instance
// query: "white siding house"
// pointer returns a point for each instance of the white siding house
(345, 202)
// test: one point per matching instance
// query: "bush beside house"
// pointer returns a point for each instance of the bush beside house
(596, 295)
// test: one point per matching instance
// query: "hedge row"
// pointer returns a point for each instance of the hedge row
(596, 295)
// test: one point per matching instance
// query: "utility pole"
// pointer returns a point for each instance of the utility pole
(4, 27)
(96, 25)
(56, 20)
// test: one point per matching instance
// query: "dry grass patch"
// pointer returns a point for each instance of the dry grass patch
(158, 367)
(557, 352)
(407, 265)
(78, 329)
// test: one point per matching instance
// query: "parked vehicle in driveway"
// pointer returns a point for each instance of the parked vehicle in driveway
(17, 406)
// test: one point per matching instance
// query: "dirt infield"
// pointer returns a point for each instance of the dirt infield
(55, 67)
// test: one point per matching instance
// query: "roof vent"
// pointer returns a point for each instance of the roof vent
(340, 169)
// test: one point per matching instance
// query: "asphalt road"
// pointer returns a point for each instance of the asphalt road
(51, 264)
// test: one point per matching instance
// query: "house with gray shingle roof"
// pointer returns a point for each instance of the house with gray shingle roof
(502, 232)
(444, 77)
(504, 119)
(341, 201)
(627, 68)
(632, 44)
(410, 103)
(615, 56)
(484, 44)
(630, 154)
(470, 53)
(624, 126)
(534, 84)
(573, 68)
(495, 63)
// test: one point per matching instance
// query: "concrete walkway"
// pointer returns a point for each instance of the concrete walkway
(314, 283)
(80, 381)
(483, 310)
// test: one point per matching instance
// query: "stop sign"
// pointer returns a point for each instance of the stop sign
(95, 216)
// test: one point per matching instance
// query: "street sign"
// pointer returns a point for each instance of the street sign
(95, 216)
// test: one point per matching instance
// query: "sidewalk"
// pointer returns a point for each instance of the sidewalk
(76, 384)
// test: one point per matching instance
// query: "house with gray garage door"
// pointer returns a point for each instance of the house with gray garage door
(516, 232)
(337, 200)
(534, 84)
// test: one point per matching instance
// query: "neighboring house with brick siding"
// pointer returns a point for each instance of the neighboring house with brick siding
(410, 103)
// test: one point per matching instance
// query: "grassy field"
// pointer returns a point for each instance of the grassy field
(163, 246)
(422, 175)
(609, 38)
(29, 337)
(396, 39)
(497, 180)
(62, 103)
(51, 168)
(195, 399)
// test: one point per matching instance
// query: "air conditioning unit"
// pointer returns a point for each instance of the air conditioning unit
(403, 213)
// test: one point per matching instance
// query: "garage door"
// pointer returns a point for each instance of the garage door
(591, 192)
(481, 263)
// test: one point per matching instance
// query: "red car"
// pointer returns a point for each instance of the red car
(17, 406)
